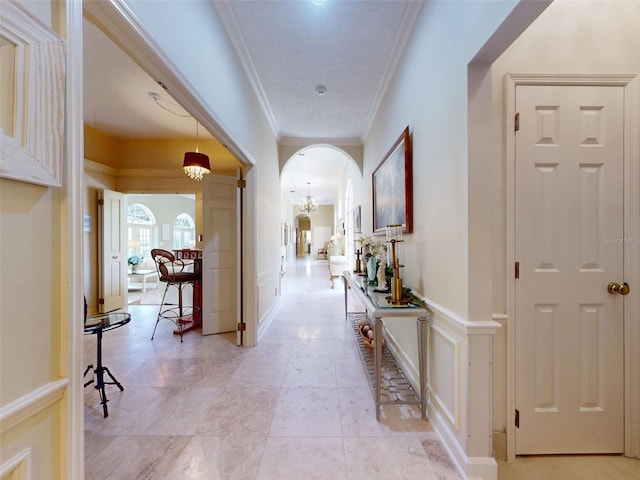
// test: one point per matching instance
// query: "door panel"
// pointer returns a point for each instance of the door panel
(219, 264)
(569, 223)
(112, 277)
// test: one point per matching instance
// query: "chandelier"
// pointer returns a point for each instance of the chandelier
(308, 206)
(196, 164)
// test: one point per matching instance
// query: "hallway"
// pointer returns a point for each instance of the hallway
(296, 406)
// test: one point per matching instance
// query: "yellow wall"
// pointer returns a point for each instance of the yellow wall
(151, 153)
(32, 319)
(100, 147)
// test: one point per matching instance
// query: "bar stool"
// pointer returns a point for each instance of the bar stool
(172, 271)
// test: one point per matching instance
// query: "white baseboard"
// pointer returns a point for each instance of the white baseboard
(470, 468)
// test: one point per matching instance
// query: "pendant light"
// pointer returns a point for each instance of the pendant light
(196, 164)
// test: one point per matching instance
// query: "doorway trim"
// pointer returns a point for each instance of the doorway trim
(631, 85)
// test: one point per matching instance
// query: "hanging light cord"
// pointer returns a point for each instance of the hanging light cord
(157, 98)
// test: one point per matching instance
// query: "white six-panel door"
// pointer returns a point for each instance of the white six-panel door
(112, 285)
(220, 254)
(569, 245)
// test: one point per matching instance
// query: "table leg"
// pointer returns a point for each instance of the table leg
(99, 372)
(377, 355)
(100, 376)
(422, 362)
(346, 290)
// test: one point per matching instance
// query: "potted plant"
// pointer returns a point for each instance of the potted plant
(134, 261)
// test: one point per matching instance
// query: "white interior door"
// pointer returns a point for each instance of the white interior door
(220, 254)
(569, 245)
(112, 276)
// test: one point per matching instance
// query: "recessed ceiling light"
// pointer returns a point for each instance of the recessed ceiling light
(321, 90)
(318, 3)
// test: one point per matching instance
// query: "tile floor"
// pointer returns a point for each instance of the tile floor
(297, 406)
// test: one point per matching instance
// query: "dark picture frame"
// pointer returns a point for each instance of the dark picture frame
(393, 187)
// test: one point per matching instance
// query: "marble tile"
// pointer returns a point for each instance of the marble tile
(296, 406)
(213, 457)
(134, 457)
(312, 348)
(287, 458)
(350, 372)
(270, 348)
(391, 458)
(310, 372)
(308, 412)
(241, 411)
(260, 371)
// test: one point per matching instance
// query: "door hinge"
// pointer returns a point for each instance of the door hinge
(101, 301)
(100, 201)
(517, 419)
(242, 183)
(516, 122)
(517, 270)
(242, 327)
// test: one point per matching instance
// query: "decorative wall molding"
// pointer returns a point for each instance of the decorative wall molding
(97, 167)
(449, 404)
(460, 420)
(30, 404)
(32, 134)
(267, 284)
(19, 466)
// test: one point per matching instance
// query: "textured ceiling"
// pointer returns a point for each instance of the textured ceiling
(289, 47)
(296, 46)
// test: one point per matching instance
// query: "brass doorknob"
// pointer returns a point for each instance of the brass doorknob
(615, 287)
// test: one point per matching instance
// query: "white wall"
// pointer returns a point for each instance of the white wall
(569, 37)
(430, 94)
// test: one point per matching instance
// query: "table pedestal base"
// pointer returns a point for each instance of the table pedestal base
(99, 372)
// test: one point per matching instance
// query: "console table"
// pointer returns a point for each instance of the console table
(377, 307)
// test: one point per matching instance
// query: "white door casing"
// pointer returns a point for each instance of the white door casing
(220, 254)
(569, 177)
(112, 277)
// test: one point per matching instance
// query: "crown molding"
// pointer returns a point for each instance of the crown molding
(230, 22)
(404, 32)
(304, 142)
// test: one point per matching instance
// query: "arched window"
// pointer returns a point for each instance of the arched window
(350, 210)
(140, 223)
(184, 232)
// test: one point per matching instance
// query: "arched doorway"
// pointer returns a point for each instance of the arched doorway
(303, 235)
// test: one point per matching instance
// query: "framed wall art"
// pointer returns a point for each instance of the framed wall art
(32, 98)
(357, 219)
(393, 188)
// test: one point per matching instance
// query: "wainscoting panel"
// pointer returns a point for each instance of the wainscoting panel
(444, 373)
(268, 295)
